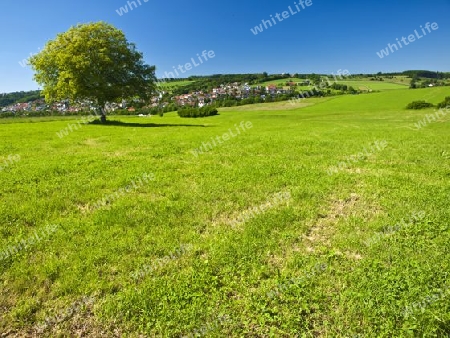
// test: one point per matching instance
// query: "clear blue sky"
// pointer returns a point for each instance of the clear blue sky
(322, 38)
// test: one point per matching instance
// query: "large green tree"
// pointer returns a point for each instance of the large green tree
(93, 62)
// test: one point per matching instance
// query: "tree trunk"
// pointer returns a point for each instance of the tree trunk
(103, 115)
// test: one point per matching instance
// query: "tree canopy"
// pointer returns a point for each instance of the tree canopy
(94, 62)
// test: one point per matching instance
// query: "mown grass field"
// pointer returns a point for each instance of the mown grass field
(362, 251)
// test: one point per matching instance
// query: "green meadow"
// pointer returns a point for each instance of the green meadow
(374, 85)
(280, 82)
(326, 218)
(174, 84)
(358, 84)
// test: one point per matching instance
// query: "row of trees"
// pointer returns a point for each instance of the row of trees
(343, 87)
(426, 74)
(43, 113)
(197, 112)
(146, 111)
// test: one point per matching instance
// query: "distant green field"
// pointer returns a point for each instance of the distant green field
(298, 225)
(357, 84)
(279, 82)
(400, 80)
(174, 84)
(374, 85)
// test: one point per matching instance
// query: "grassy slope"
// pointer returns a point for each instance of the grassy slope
(230, 270)
(174, 84)
(363, 84)
(375, 85)
(280, 81)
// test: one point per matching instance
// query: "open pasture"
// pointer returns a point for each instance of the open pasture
(326, 219)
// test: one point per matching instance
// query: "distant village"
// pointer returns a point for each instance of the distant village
(234, 91)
